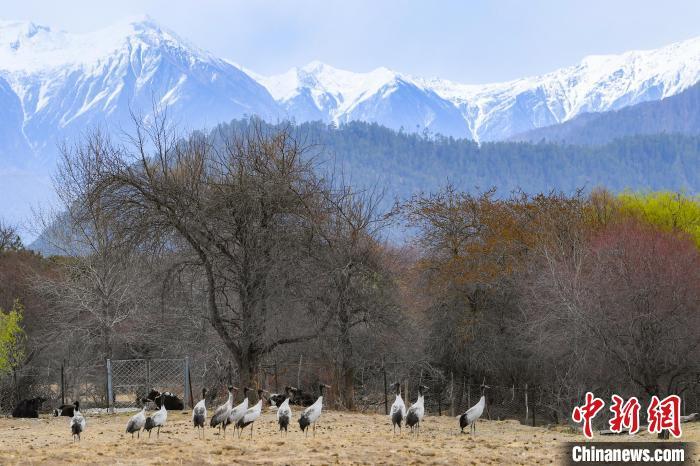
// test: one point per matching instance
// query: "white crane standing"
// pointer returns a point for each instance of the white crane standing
(473, 414)
(157, 419)
(251, 415)
(77, 424)
(415, 413)
(221, 414)
(199, 413)
(238, 411)
(398, 409)
(313, 412)
(284, 412)
(137, 422)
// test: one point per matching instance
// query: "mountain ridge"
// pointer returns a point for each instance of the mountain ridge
(679, 113)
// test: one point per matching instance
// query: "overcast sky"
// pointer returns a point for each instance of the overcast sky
(466, 41)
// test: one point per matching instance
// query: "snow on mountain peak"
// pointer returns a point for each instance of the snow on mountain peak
(26, 47)
(336, 90)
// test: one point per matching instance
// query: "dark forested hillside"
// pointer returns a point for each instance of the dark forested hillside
(403, 164)
(676, 114)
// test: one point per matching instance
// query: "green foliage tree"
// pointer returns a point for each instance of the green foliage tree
(670, 211)
(12, 338)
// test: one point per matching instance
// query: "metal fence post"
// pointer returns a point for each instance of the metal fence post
(110, 397)
(299, 372)
(452, 394)
(148, 375)
(527, 408)
(386, 396)
(63, 384)
(187, 385)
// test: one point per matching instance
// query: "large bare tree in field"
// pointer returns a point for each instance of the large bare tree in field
(240, 206)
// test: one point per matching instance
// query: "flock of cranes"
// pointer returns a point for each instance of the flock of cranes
(242, 416)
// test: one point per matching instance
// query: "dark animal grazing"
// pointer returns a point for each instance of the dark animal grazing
(67, 410)
(301, 398)
(276, 399)
(172, 402)
(28, 408)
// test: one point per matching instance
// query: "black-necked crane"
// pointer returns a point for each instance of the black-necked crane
(398, 409)
(137, 421)
(284, 411)
(238, 411)
(313, 412)
(199, 413)
(156, 420)
(415, 413)
(77, 424)
(220, 417)
(473, 414)
(251, 415)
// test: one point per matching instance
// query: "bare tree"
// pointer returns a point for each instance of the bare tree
(239, 208)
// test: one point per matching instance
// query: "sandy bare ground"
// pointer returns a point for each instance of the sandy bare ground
(345, 438)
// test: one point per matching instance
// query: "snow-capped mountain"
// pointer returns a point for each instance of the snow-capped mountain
(320, 92)
(54, 84)
(63, 83)
(490, 111)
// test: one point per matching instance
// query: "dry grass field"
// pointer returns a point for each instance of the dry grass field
(342, 438)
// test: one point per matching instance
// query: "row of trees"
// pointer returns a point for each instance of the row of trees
(235, 246)
(567, 293)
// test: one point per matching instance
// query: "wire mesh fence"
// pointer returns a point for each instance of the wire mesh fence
(129, 381)
(58, 385)
(123, 383)
(445, 395)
